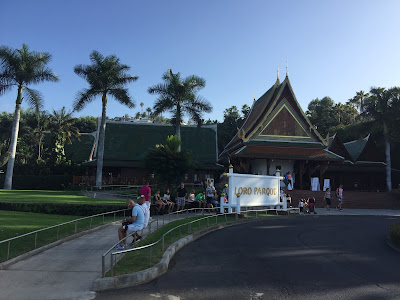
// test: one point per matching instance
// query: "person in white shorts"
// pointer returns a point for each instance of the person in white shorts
(134, 224)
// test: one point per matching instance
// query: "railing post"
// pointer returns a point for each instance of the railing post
(35, 239)
(236, 216)
(124, 213)
(103, 266)
(216, 219)
(189, 228)
(187, 213)
(157, 223)
(103, 218)
(256, 215)
(111, 264)
(58, 229)
(151, 254)
(162, 243)
(163, 220)
(203, 211)
(208, 222)
(114, 217)
(91, 219)
(8, 250)
(149, 227)
(76, 226)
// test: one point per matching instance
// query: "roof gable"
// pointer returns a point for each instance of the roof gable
(336, 146)
(365, 150)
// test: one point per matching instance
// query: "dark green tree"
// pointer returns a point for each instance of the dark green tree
(62, 125)
(382, 106)
(20, 68)
(179, 96)
(168, 163)
(106, 76)
(321, 114)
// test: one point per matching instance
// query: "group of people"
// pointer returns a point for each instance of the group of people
(308, 205)
(140, 211)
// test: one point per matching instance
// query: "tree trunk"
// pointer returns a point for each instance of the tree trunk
(388, 162)
(13, 143)
(178, 125)
(100, 151)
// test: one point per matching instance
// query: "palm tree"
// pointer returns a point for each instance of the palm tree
(106, 75)
(21, 67)
(358, 100)
(42, 126)
(379, 106)
(178, 96)
(149, 112)
(62, 125)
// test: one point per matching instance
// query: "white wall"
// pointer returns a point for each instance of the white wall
(259, 167)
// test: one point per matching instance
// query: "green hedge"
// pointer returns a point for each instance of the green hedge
(32, 182)
(395, 233)
(61, 209)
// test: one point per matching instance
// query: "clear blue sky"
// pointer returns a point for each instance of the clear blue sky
(334, 48)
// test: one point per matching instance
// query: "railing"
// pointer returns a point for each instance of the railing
(157, 222)
(76, 224)
(114, 255)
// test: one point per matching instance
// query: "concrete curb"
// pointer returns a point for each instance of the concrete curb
(391, 245)
(7, 263)
(137, 278)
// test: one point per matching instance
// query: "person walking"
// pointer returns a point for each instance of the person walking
(339, 194)
(328, 198)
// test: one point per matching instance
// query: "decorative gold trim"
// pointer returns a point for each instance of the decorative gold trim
(273, 118)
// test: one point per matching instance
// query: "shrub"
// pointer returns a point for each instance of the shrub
(395, 233)
(33, 182)
(61, 208)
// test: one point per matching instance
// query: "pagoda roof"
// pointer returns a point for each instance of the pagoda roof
(289, 153)
(364, 150)
(336, 145)
(276, 118)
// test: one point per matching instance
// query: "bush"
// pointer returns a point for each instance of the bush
(32, 182)
(61, 209)
(395, 233)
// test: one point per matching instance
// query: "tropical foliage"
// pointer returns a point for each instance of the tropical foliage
(20, 68)
(179, 96)
(168, 163)
(105, 76)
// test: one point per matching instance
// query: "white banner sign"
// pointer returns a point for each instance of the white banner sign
(254, 190)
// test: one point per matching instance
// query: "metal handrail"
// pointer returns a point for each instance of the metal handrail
(179, 226)
(149, 229)
(57, 226)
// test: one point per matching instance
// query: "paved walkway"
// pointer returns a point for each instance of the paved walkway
(68, 270)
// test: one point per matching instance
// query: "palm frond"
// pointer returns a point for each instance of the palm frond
(34, 98)
(122, 96)
(45, 74)
(83, 97)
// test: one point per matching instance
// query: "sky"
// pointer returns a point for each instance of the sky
(333, 48)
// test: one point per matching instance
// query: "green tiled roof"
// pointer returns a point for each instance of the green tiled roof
(130, 141)
(79, 151)
(356, 147)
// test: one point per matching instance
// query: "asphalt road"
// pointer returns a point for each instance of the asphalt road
(304, 257)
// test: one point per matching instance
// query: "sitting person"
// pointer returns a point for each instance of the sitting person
(131, 225)
(168, 202)
(157, 201)
(141, 201)
(192, 199)
(201, 199)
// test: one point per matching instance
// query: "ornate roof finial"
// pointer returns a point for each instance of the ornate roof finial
(287, 69)
(277, 76)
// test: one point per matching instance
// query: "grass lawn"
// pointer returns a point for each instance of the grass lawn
(14, 223)
(140, 260)
(38, 196)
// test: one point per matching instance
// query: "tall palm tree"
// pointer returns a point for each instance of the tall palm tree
(106, 76)
(358, 100)
(42, 126)
(379, 106)
(20, 68)
(179, 96)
